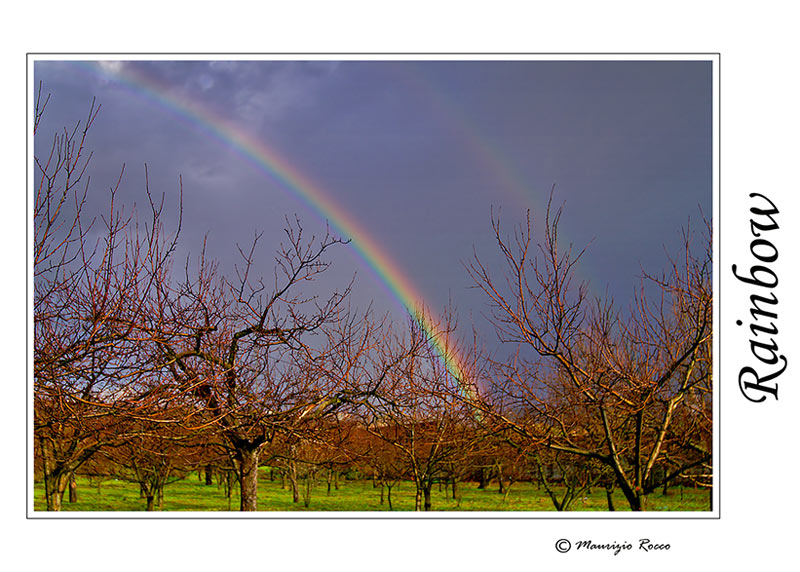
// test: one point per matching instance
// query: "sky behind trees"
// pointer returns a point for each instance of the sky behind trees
(413, 155)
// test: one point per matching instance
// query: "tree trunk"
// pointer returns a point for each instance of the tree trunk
(501, 487)
(229, 478)
(55, 491)
(209, 475)
(248, 477)
(634, 499)
(609, 499)
(418, 498)
(482, 483)
(307, 493)
(56, 484)
(73, 489)
(569, 496)
(229, 481)
(55, 479)
(293, 482)
(427, 493)
(508, 489)
(150, 502)
(632, 495)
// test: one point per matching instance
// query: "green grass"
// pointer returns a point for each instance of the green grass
(192, 495)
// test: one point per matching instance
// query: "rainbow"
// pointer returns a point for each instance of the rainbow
(449, 111)
(268, 160)
(505, 176)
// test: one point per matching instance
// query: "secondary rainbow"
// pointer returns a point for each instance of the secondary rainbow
(271, 162)
(505, 176)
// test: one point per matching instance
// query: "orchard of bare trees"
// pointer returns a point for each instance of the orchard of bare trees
(151, 368)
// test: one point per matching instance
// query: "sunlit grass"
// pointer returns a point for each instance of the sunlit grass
(191, 494)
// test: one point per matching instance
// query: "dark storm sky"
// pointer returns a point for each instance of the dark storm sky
(418, 153)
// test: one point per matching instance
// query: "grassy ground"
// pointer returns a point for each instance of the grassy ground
(192, 495)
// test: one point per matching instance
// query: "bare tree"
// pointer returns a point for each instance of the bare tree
(153, 459)
(238, 348)
(84, 268)
(575, 475)
(416, 406)
(591, 382)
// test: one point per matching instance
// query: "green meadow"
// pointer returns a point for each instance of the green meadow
(191, 494)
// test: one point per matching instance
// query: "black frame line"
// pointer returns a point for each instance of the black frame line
(715, 58)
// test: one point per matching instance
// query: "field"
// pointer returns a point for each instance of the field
(191, 494)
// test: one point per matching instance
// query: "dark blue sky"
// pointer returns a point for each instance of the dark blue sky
(419, 153)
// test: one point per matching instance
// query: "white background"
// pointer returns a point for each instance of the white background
(758, 152)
